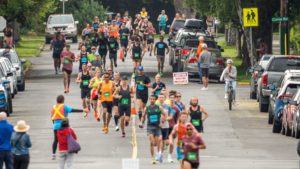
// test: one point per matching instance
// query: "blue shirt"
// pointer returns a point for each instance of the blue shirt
(6, 131)
(57, 123)
(20, 143)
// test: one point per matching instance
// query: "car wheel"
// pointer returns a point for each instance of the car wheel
(270, 112)
(282, 128)
(276, 126)
(47, 40)
(180, 67)
(175, 67)
(263, 107)
(296, 131)
(252, 95)
(288, 131)
(75, 40)
(21, 87)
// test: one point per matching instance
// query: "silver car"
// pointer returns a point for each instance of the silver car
(61, 22)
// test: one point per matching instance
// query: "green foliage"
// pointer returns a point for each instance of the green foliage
(295, 38)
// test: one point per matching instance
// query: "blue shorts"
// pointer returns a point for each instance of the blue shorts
(179, 154)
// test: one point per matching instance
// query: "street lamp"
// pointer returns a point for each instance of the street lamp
(63, 3)
(217, 22)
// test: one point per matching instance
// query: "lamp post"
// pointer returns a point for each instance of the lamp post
(63, 5)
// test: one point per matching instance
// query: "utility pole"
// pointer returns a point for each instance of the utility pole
(284, 29)
(63, 5)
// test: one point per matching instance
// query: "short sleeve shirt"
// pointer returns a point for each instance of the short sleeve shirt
(67, 64)
(161, 48)
(160, 87)
(189, 153)
(142, 79)
(57, 123)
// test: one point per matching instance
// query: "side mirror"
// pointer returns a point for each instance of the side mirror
(9, 74)
(76, 22)
(23, 61)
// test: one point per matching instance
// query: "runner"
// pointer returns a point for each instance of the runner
(144, 24)
(137, 21)
(94, 82)
(94, 37)
(179, 131)
(117, 82)
(178, 102)
(106, 89)
(157, 86)
(57, 45)
(191, 143)
(82, 57)
(124, 93)
(91, 56)
(165, 126)
(162, 21)
(113, 47)
(196, 112)
(97, 63)
(58, 112)
(114, 30)
(159, 51)
(142, 84)
(67, 59)
(86, 31)
(175, 113)
(83, 79)
(95, 24)
(87, 43)
(153, 113)
(150, 37)
(124, 33)
(144, 13)
(102, 50)
(110, 73)
(136, 54)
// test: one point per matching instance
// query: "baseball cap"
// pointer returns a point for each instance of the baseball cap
(141, 68)
(229, 61)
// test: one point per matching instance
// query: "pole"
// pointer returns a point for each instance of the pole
(63, 1)
(251, 47)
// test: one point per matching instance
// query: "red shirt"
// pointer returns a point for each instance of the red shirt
(189, 153)
(67, 63)
(62, 136)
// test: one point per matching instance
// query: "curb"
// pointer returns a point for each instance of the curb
(243, 83)
(37, 55)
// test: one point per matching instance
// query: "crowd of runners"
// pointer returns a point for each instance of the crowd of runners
(108, 94)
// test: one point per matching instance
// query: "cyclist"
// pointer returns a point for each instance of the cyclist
(57, 45)
(83, 79)
(67, 59)
(159, 51)
(196, 114)
(82, 57)
(229, 75)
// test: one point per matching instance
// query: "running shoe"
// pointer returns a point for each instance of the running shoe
(123, 134)
(160, 159)
(53, 157)
(153, 161)
(103, 128)
(157, 157)
(226, 96)
(126, 123)
(117, 128)
(170, 160)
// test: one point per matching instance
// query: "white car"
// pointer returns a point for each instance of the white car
(264, 61)
(10, 74)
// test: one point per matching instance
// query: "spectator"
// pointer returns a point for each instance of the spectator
(204, 60)
(20, 145)
(8, 36)
(64, 156)
(162, 21)
(6, 131)
(144, 13)
(199, 50)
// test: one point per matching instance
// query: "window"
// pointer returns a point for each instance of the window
(60, 19)
(283, 64)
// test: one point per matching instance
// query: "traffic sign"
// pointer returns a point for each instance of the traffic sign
(180, 78)
(250, 17)
(2, 23)
(280, 19)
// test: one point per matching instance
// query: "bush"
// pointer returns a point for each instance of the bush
(295, 38)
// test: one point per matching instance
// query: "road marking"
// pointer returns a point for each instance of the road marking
(134, 143)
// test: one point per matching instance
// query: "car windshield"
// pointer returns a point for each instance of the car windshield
(193, 43)
(177, 24)
(13, 57)
(265, 57)
(283, 64)
(60, 19)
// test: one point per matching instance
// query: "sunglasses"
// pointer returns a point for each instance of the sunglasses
(106, 77)
(178, 96)
(189, 129)
(109, 70)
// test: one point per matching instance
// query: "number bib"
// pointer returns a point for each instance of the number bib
(84, 60)
(102, 46)
(136, 55)
(140, 87)
(153, 118)
(196, 122)
(192, 156)
(66, 61)
(85, 82)
(112, 45)
(106, 94)
(150, 36)
(123, 37)
(124, 101)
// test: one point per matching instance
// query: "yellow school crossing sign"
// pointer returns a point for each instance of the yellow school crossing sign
(250, 17)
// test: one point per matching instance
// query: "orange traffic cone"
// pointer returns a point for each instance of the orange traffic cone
(121, 55)
(133, 110)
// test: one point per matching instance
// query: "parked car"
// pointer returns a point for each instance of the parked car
(175, 26)
(17, 64)
(256, 72)
(287, 91)
(5, 94)
(10, 74)
(217, 64)
(64, 23)
(290, 117)
(272, 73)
(194, 24)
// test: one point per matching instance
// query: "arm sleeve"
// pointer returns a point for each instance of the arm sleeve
(73, 134)
(147, 80)
(28, 143)
(77, 110)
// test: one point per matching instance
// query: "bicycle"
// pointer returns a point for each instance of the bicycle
(230, 95)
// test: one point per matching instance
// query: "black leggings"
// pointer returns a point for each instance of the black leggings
(21, 161)
(55, 142)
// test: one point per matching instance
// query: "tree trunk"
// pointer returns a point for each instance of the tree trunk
(239, 44)
(232, 35)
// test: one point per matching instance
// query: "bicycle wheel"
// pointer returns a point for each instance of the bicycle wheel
(230, 98)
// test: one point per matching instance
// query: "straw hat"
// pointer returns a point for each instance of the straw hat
(21, 126)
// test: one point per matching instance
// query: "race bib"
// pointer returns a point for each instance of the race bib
(88, 46)
(125, 101)
(196, 122)
(112, 45)
(102, 46)
(136, 55)
(123, 37)
(150, 36)
(153, 118)
(157, 92)
(66, 61)
(85, 82)
(84, 60)
(106, 94)
(192, 156)
(140, 87)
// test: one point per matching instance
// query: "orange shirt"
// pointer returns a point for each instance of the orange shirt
(114, 31)
(106, 91)
(199, 50)
(181, 131)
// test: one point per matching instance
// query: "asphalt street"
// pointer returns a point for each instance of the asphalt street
(237, 139)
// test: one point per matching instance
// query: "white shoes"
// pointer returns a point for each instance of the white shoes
(117, 128)
(204, 88)
(170, 160)
(226, 96)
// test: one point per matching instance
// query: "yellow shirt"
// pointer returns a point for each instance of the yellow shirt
(144, 14)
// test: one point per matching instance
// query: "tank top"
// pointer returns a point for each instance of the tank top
(153, 115)
(106, 91)
(125, 101)
(196, 118)
(83, 59)
(136, 52)
(163, 20)
(96, 83)
(85, 80)
(181, 131)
